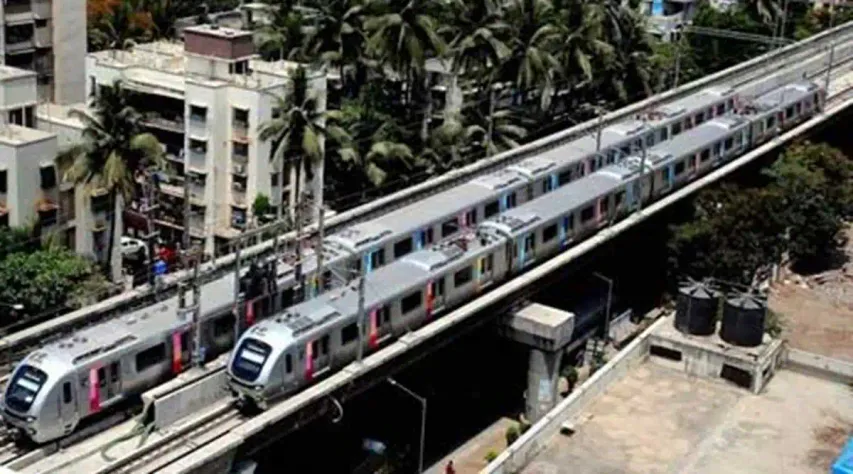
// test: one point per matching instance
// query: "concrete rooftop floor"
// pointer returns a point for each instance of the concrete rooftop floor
(658, 420)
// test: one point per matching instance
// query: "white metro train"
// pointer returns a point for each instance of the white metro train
(284, 353)
(62, 384)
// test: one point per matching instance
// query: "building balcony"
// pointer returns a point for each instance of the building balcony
(239, 169)
(42, 9)
(240, 131)
(20, 46)
(197, 159)
(238, 197)
(48, 212)
(171, 124)
(15, 9)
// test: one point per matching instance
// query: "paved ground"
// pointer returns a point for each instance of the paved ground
(817, 310)
(470, 458)
(657, 420)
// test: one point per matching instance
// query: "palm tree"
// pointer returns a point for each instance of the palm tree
(447, 141)
(765, 10)
(504, 132)
(581, 39)
(478, 45)
(336, 37)
(403, 34)
(283, 36)
(296, 131)
(122, 24)
(114, 148)
(532, 64)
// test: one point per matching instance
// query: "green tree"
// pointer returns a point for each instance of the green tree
(113, 150)
(403, 34)
(532, 64)
(261, 206)
(335, 36)
(816, 181)
(45, 280)
(283, 37)
(17, 239)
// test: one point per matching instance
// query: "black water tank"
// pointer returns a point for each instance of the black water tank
(696, 309)
(743, 320)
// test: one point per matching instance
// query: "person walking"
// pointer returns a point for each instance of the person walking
(449, 469)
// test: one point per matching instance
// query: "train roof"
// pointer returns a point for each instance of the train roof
(534, 167)
(442, 205)
(86, 344)
(785, 95)
(554, 204)
(698, 137)
(695, 102)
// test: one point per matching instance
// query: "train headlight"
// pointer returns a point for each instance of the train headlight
(258, 388)
(31, 419)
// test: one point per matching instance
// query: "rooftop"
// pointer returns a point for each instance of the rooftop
(59, 113)
(218, 31)
(657, 420)
(14, 135)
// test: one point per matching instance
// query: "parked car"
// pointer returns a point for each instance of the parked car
(133, 248)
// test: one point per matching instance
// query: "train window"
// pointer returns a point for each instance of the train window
(115, 369)
(530, 193)
(721, 108)
(789, 112)
(471, 217)
(771, 122)
(349, 333)
(66, 392)
(676, 128)
(699, 118)
(377, 258)
(587, 213)
(489, 263)
(493, 208)
(731, 103)
(150, 357)
(383, 315)
(462, 277)
(728, 144)
(324, 345)
(679, 168)
(510, 201)
(564, 177)
(664, 134)
(798, 107)
(687, 124)
(529, 243)
(620, 198)
(438, 287)
(705, 155)
(410, 302)
(602, 205)
(223, 325)
(185, 340)
(549, 233)
(314, 352)
(102, 377)
(650, 140)
(402, 247)
(569, 223)
(718, 149)
(449, 227)
(429, 235)
(546, 185)
(288, 363)
(592, 164)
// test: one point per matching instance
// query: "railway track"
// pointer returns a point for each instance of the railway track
(15, 346)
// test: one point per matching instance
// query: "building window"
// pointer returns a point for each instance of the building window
(198, 113)
(241, 118)
(273, 179)
(48, 176)
(3, 181)
(198, 146)
(16, 117)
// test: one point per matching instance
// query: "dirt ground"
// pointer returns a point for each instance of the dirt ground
(817, 310)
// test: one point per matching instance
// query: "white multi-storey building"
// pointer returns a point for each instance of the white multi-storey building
(48, 37)
(205, 99)
(32, 192)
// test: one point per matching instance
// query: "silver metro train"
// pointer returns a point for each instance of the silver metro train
(65, 383)
(284, 353)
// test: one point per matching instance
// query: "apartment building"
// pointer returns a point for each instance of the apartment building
(205, 99)
(32, 191)
(49, 38)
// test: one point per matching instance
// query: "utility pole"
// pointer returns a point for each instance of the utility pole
(193, 311)
(151, 207)
(185, 241)
(831, 50)
(598, 127)
(642, 176)
(237, 294)
(319, 250)
(298, 293)
(361, 317)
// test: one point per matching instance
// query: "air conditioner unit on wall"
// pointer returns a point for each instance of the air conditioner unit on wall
(238, 187)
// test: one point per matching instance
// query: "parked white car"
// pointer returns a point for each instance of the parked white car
(131, 247)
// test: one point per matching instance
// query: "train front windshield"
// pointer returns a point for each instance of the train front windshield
(249, 359)
(23, 388)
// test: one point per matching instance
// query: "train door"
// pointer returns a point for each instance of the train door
(93, 384)
(485, 269)
(567, 230)
(317, 357)
(67, 405)
(114, 380)
(526, 250)
(435, 295)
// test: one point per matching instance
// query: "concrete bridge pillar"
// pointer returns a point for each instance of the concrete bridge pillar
(547, 331)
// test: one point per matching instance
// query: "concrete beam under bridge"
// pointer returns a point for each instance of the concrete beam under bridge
(547, 331)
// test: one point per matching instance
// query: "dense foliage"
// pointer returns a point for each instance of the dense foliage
(734, 232)
(43, 278)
